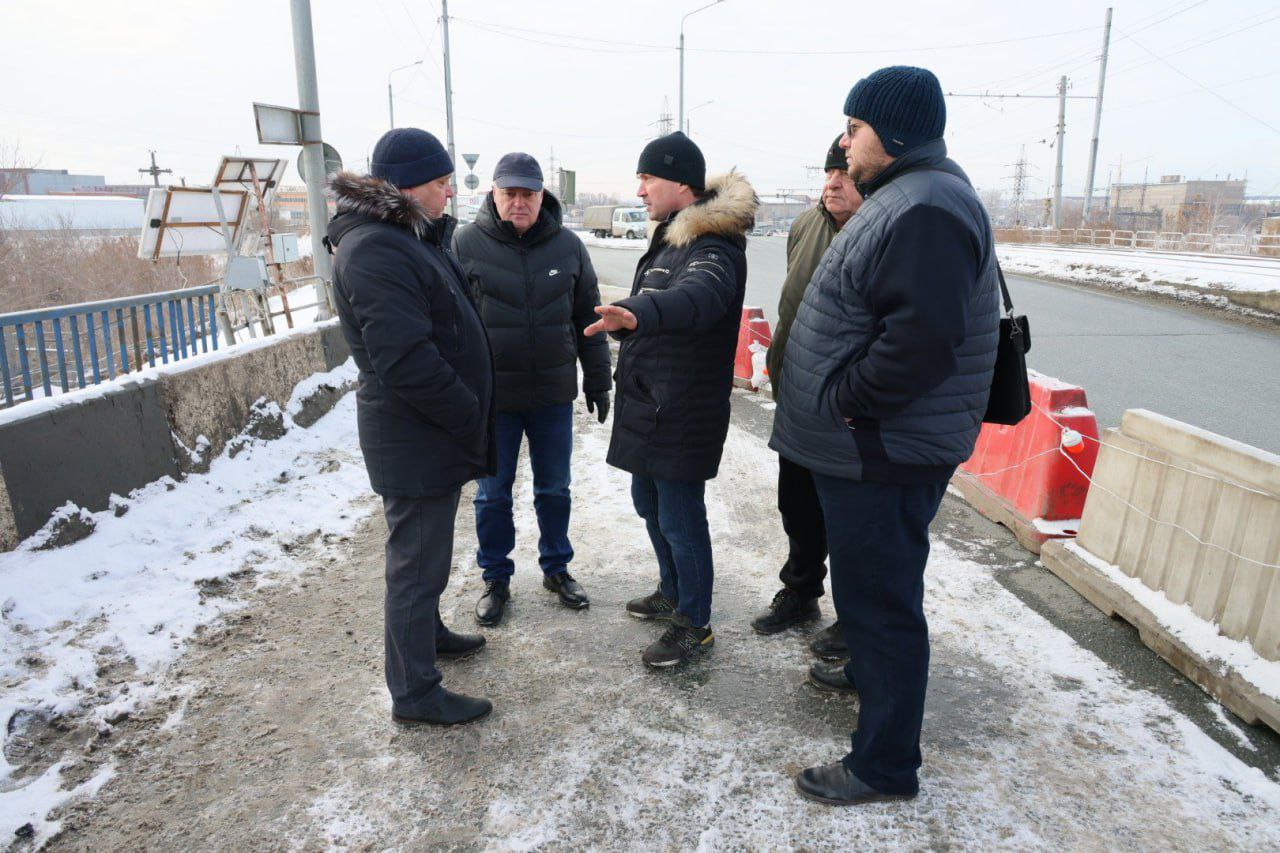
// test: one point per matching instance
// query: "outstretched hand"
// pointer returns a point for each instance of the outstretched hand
(613, 318)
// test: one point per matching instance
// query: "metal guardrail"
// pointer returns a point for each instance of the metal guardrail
(103, 339)
(1227, 244)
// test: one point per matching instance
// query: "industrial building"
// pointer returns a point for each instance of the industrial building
(1180, 205)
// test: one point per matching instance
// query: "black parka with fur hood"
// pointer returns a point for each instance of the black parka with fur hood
(675, 370)
(424, 406)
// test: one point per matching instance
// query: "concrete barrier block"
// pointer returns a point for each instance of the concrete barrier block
(214, 399)
(8, 526)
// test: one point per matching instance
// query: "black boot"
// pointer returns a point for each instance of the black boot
(831, 677)
(836, 785)
(829, 644)
(787, 608)
(570, 591)
(490, 607)
(655, 605)
(452, 709)
(451, 646)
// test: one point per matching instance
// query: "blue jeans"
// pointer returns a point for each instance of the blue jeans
(676, 518)
(879, 540)
(550, 432)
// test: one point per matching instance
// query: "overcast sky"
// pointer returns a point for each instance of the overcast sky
(1191, 87)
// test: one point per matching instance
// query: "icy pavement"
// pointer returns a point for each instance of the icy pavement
(272, 729)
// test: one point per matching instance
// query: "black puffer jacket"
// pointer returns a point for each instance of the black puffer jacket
(425, 402)
(536, 294)
(675, 370)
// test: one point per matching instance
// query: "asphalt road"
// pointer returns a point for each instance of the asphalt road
(1126, 351)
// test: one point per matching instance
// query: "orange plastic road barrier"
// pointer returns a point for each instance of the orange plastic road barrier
(1018, 475)
(754, 329)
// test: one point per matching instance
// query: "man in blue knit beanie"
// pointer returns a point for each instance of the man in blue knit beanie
(888, 370)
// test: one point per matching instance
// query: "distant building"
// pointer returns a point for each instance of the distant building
(1186, 206)
(93, 214)
(45, 181)
(134, 190)
(291, 204)
(780, 211)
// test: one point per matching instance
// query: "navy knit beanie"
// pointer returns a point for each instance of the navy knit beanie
(408, 157)
(675, 157)
(903, 105)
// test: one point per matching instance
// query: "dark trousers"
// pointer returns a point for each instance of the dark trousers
(801, 511)
(419, 555)
(550, 432)
(879, 537)
(675, 515)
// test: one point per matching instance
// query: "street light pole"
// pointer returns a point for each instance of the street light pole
(687, 123)
(304, 53)
(448, 103)
(391, 104)
(680, 122)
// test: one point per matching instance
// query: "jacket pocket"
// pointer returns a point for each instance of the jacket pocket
(638, 409)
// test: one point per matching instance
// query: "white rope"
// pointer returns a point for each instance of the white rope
(1155, 520)
(1143, 456)
(1011, 467)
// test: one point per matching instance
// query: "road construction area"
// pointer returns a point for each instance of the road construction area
(1047, 725)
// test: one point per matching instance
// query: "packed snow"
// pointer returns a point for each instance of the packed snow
(1159, 272)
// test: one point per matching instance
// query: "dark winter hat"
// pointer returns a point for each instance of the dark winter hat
(835, 157)
(517, 169)
(407, 157)
(903, 105)
(676, 158)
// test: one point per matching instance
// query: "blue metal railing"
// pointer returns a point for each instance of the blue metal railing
(102, 339)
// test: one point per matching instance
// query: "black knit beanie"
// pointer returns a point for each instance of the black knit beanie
(676, 158)
(835, 157)
(903, 105)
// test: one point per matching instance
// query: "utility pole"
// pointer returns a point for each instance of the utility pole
(1057, 172)
(680, 124)
(448, 103)
(391, 101)
(1097, 117)
(304, 58)
(1019, 186)
(155, 171)
(665, 121)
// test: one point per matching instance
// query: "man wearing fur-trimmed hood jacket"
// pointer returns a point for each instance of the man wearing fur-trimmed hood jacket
(679, 330)
(424, 406)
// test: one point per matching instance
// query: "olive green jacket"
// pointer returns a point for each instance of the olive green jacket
(811, 234)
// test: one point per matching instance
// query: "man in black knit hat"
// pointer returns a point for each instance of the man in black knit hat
(887, 374)
(805, 569)
(679, 331)
(424, 406)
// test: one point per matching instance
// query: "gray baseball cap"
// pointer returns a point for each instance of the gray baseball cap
(517, 169)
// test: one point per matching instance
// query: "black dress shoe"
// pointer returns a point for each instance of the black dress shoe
(829, 643)
(490, 607)
(831, 677)
(836, 785)
(451, 646)
(452, 709)
(787, 608)
(570, 591)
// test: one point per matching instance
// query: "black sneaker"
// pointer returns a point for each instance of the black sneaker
(829, 643)
(652, 606)
(677, 644)
(787, 608)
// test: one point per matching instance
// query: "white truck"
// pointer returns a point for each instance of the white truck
(608, 220)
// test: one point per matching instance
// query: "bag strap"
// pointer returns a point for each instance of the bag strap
(1004, 290)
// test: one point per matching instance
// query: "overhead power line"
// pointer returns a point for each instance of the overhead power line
(510, 31)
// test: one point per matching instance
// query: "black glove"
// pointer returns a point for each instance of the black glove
(598, 402)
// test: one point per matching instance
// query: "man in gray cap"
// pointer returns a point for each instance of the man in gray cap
(537, 291)
(424, 406)
(888, 371)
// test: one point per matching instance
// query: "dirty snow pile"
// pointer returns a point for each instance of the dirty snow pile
(165, 562)
(1169, 273)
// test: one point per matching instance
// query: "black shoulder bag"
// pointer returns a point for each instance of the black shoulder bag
(1010, 399)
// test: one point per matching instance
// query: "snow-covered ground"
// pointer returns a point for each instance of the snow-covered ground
(1031, 740)
(135, 591)
(1160, 272)
(590, 239)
